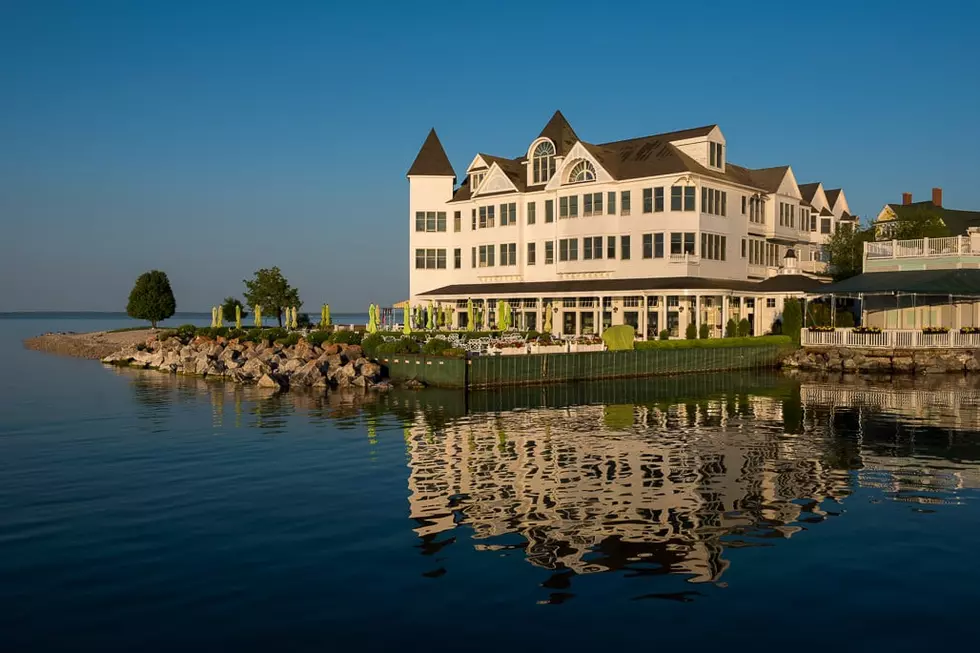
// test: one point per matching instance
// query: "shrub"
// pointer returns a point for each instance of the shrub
(777, 327)
(317, 338)
(254, 335)
(186, 331)
(714, 343)
(236, 333)
(691, 333)
(403, 346)
(370, 344)
(289, 340)
(792, 319)
(346, 338)
(731, 329)
(744, 328)
(703, 331)
(435, 346)
(271, 335)
(454, 352)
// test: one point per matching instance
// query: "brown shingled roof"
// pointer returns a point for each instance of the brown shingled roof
(560, 133)
(808, 191)
(432, 159)
(832, 195)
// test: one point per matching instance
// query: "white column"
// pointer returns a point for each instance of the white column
(724, 313)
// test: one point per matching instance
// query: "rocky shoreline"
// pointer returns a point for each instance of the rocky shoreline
(884, 361)
(267, 365)
(92, 345)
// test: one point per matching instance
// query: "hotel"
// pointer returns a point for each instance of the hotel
(657, 232)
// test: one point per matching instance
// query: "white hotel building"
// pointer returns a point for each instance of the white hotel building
(655, 231)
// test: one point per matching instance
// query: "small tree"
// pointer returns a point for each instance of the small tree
(744, 328)
(691, 332)
(845, 251)
(270, 290)
(665, 335)
(703, 331)
(151, 298)
(228, 309)
(792, 319)
(731, 328)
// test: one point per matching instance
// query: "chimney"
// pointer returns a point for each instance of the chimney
(937, 196)
(906, 198)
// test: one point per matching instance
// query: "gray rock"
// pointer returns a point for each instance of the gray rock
(291, 365)
(270, 382)
(256, 367)
(371, 371)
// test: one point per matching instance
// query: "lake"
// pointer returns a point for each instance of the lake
(144, 512)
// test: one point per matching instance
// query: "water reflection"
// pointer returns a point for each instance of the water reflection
(661, 478)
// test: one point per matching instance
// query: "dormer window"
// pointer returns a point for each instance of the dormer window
(581, 171)
(476, 179)
(716, 155)
(543, 162)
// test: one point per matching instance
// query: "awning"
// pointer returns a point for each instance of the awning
(920, 282)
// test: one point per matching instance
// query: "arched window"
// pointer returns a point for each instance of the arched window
(544, 162)
(581, 171)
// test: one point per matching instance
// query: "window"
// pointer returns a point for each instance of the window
(457, 221)
(591, 248)
(714, 201)
(787, 215)
(508, 254)
(430, 259)
(713, 246)
(611, 202)
(743, 204)
(770, 302)
(587, 205)
(473, 257)
(825, 225)
(813, 221)
(658, 199)
(658, 245)
(597, 204)
(474, 220)
(647, 245)
(549, 210)
(549, 252)
(624, 203)
(611, 247)
(573, 206)
(486, 256)
(689, 198)
(682, 243)
(715, 155)
(581, 171)
(457, 258)
(757, 210)
(543, 162)
(430, 221)
(477, 179)
(486, 217)
(508, 214)
(648, 200)
(624, 248)
(562, 207)
(568, 249)
(531, 213)
(531, 254)
(744, 243)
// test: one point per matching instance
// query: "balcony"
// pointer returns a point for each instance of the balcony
(923, 254)
(890, 339)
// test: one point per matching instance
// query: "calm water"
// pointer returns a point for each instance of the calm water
(142, 512)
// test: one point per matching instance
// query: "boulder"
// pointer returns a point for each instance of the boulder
(414, 384)
(256, 367)
(291, 365)
(359, 381)
(307, 375)
(304, 351)
(331, 350)
(353, 352)
(270, 382)
(332, 361)
(903, 364)
(371, 371)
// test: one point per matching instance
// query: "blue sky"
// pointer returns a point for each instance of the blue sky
(209, 139)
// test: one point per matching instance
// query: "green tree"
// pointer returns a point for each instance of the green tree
(151, 298)
(792, 319)
(228, 309)
(691, 332)
(744, 328)
(731, 328)
(270, 290)
(919, 222)
(845, 251)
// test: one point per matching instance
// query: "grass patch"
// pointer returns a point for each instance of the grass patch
(716, 343)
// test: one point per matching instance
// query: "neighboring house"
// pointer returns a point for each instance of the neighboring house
(958, 222)
(657, 231)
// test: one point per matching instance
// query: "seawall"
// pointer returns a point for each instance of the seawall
(885, 361)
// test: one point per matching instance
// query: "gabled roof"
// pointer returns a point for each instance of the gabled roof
(807, 191)
(832, 195)
(826, 212)
(956, 221)
(769, 179)
(513, 168)
(432, 159)
(560, 133)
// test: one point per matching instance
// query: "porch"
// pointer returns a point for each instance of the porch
(889, 339)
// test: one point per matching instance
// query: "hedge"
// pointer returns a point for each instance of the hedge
(715, 343)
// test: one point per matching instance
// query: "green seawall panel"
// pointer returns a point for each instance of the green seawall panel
(493, 371)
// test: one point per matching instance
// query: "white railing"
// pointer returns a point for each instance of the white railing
(920, 248)
(683, 258)
(890, 339)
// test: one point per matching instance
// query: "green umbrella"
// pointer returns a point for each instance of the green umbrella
(238, 316)
(547, 318)
(500, 314)
(257, 312)
(407, 327)
(295, 322)
(432, 317)
(371, 325)
(470, 316)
